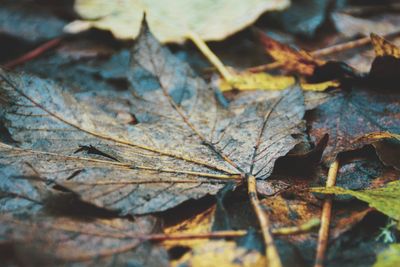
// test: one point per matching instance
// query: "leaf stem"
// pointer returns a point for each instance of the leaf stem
(196, 39)
(271, 252)
(323, 235)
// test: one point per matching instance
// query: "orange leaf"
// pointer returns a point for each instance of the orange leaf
(383, 47)
(294, 61)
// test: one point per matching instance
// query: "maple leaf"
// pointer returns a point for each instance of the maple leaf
(185, 145)
(211, 20)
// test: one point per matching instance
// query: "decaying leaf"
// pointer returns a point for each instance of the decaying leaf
(49, 241)
(349, 115)
(387, 147)
(390, 257)
(185, 145)
(211, 20)
(299, 62)
(385, 199)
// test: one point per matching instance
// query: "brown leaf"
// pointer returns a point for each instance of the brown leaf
(351, 114)
(293, 61)
(185, 145)
(49, 241)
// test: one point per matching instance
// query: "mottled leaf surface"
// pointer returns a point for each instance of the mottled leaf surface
(184, 146)
(49, 241)
(353, 113)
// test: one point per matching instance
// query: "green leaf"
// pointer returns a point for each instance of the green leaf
(390, 257)
(385, 199)
(172, 22)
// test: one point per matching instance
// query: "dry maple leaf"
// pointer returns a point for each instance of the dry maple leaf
(185, 145)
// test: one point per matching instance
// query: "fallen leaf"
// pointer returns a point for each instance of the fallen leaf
(303, 17)
(351, 26)
(221, 253)
(390, 257)
(385, 199)
(256, 81)
(211, 20)
(291, 60)
(319, 86)
(49, 241)
(383, 47)
(28, 20)
(199, 224)
(185, 145)
(387, 147)
(351, 114)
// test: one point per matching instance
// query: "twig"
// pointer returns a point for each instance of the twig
(293, 230)
(325, 51)
(34, 53)
(271, 252)
(210, 55)
(323, 235)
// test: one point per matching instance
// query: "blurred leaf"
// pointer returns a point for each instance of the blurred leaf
(303, 17)
(221, 253)
(30, 21)
(291, 60)
(211, 20)
(256, 81)
(351, 26)
(385, 199)
(383, 47)
(319, 86)
(390, 257)
(50, 241)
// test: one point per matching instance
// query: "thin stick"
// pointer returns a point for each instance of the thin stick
(210, 55)
(325, 51)
(271, 252)
(34, 53)
(323, 235)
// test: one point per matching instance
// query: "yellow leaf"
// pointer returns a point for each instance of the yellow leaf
(318, 86)
(210, 19)
(256, 81)
(390, 257)
(201, 223)
(379, 136)
(385, 199)
(221, 254)
(383, 47)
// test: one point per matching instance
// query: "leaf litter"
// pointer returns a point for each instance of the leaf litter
(102, 169)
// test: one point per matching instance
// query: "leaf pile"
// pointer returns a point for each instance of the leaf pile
(135, 153)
